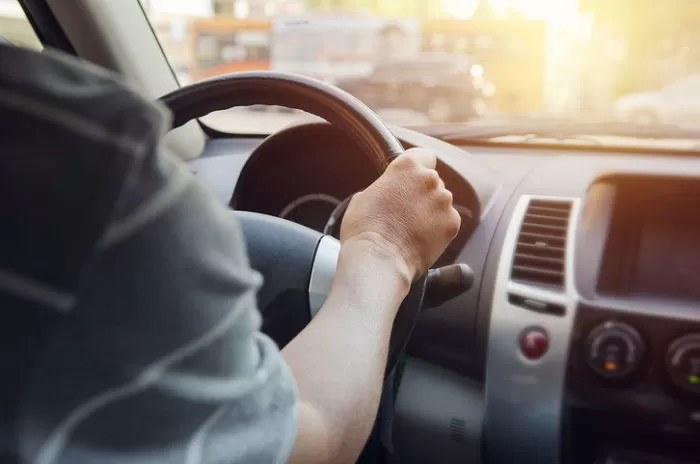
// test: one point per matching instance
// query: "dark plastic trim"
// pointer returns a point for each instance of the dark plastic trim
(45, 25)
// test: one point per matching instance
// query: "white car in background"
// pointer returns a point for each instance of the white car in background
(677, 103)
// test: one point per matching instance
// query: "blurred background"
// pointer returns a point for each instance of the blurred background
(423, 62)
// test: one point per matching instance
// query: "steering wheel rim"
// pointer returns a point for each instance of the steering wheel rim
(272, 240)
(294, 91)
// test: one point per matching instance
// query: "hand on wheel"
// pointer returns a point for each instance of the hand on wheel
(406, 214)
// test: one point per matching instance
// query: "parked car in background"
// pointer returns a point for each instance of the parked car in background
(677, 103)
(445, 88)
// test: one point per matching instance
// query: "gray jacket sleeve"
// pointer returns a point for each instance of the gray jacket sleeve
(160, 360)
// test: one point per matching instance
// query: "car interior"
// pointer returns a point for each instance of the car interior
(560, 326)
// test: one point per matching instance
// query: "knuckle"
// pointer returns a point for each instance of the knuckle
(445, 197)
(424, 154)
(405, 161)
(431, 179)
(455, 222)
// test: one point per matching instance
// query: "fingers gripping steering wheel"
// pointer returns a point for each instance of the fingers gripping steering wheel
(296, 262)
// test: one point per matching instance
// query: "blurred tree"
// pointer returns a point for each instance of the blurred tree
(484, 10)
(654, 32)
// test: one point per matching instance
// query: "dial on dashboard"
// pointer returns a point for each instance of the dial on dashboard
(312, 210)
(683, 363)
(614, 350)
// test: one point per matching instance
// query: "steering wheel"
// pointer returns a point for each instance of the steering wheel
(297, 263)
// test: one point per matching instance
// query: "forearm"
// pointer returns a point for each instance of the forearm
(339, 359)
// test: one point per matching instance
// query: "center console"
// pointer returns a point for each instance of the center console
(633, 374)
(594, 338)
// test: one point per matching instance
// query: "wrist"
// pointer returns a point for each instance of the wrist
(368, 284)
(374, 255)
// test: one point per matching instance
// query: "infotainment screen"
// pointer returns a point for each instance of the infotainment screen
(668, 256)
(653, 244)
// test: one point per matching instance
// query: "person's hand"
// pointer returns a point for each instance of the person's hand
(406, 214)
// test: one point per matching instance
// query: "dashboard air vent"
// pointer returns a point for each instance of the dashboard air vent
(541, 249)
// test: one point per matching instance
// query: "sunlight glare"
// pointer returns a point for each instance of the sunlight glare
(551, 10)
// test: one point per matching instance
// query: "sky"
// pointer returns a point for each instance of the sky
(11, 8)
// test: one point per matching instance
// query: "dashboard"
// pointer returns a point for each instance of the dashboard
(580, 340)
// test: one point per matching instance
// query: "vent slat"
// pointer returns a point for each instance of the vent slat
(541, 248)
(538, 270)
(553, 204)
(545, 218)
(550, 248)
(543, 259)
(545, 226)
(548, 210)
(558, 238)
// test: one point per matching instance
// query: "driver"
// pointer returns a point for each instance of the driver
(153, 351)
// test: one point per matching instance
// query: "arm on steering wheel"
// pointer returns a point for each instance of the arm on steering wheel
(340, 384)
(391, 233)
(339, 359)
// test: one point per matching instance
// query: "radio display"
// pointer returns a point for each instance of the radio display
(668, 256)
(653, 247)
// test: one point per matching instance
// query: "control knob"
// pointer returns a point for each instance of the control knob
(614, 350)
(683, 363)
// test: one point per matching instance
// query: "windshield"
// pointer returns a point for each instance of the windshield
(425, 63)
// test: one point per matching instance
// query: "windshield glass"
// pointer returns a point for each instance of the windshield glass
(425, 63)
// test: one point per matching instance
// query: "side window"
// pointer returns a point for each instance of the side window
(14, 26)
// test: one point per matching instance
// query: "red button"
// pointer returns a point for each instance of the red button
(534, 343)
